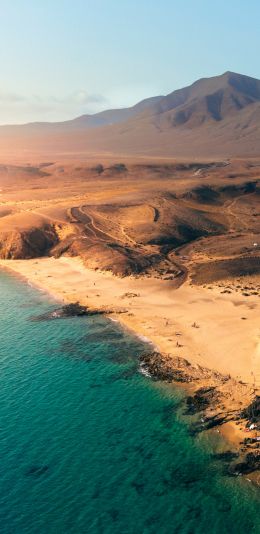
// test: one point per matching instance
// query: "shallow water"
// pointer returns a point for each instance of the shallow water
(90, 445)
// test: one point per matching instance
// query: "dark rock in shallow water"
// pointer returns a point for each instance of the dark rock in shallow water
(252, 412)
(37, 470)
(108, 334)
(207, 424)
(74, 310)
(114, 514)
(126, 374)
(139, 485)
(161, 367)
(69, 310)
(226, 456)
(251, 440)
(250, 464)
(201, 400)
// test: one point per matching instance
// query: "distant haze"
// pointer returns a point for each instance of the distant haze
(213, 117)
(62, 59)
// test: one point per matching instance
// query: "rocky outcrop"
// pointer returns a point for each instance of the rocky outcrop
(208, 406)
(202, 399)
(73, 309)
(163, 367)
(252, 412)
(249, 464)
(25, 244)
(172, 368)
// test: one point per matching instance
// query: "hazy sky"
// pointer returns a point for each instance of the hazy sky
(62, 58)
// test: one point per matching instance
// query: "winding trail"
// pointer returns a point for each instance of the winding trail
(229, 207)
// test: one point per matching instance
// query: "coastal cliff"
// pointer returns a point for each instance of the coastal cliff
(26, 244)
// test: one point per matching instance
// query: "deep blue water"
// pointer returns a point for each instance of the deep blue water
(90, 445)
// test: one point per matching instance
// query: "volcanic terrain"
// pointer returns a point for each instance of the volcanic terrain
(169, 220)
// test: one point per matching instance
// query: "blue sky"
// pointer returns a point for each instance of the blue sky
(62, 58)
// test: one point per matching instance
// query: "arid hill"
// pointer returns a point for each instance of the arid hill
(212, 99)
(167, 220)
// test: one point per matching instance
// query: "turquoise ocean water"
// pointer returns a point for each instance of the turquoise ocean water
(90, 445)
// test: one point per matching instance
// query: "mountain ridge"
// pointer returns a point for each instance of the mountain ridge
(213, 116)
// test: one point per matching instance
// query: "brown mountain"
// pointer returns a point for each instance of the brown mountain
(208, 99)
(217, 116)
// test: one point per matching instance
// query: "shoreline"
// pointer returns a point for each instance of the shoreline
(149, 308)
(156, 311)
